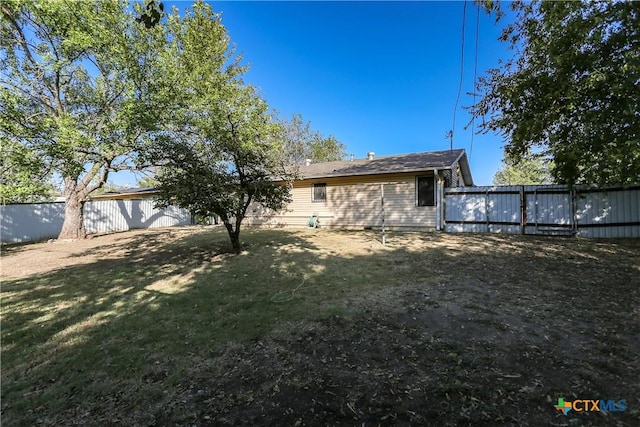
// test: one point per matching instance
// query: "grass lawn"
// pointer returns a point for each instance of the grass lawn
(319, 327)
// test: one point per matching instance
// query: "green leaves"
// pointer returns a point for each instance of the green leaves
(24, 177)
(152, 14)
(219, 152)
(526, 170)
(572, 89)
(300, 142)
(80, 89)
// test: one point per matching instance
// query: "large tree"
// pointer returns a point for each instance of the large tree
(529, 170)
(572, 89)
(77, 91)
(220, 155)
(300, 143)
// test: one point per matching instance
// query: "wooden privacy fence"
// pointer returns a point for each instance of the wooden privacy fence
(547, 209)
(39, 221)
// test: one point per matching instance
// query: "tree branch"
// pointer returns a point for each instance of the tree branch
(21, 39)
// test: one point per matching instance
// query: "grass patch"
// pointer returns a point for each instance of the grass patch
(317, 326)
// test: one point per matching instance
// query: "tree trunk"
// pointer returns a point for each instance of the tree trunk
(234, 235)
(73, 226)
(235, 242)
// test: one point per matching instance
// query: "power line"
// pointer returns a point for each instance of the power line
(455, 109)
(475, 77)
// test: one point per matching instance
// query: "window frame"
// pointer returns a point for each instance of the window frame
(433, 196)
(313, 192)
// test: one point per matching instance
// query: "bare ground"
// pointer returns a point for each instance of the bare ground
(474, 330)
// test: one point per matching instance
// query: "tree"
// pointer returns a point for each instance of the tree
(77, 91)
(111, 187)
(571, 90)
(221, 154)
(326, 149)
(300, 143)
(24, 178)
(530, 170)
(147, 182)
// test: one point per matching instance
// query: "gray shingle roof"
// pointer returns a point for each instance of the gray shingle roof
(128, 192)
(416, 162)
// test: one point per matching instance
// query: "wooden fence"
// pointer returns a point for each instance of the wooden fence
(548, 209)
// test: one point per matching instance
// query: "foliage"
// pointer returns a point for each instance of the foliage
(111, 187)
(152, 14)
(147, 182)
(221, 155)
(524, 171)
(300, 143)
(571, 89)
(23, 176)
(77, 91)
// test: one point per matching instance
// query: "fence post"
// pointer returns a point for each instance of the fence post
(523, 210)
(574, 211)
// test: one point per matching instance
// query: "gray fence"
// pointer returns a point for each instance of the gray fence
(548, 209)
(40, 221)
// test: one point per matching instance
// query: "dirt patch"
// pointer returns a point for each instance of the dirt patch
(438, 329)
(438, 364)
(39, 258)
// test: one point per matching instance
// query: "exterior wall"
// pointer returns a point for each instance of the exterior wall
(354, 202)
(39, 221)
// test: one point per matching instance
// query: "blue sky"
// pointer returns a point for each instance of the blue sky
(379, 76)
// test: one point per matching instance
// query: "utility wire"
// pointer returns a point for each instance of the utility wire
(455, 109)
(475, 77)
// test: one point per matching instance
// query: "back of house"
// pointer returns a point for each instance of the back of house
(406, 190)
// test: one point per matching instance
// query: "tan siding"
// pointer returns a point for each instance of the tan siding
(353, 202)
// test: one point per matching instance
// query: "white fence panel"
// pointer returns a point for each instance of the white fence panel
(30, 222)
(549, 209)
(107, 216)
(483, 209)
(609, 213)
(40, 221)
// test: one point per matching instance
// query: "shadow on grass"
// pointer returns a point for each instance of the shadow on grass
(126, 338)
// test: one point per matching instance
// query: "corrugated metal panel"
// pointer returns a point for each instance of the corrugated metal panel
(548, 205)
(483, 209)
(353, 202)
(612, 212)
(107, 216)
(39, 221)
(31, 222)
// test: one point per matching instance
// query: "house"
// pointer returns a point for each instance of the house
(352, 194)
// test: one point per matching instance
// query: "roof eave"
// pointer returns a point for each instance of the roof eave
(463, 161)
(416, 170)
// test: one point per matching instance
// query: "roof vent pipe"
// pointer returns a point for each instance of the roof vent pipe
(307, 162)
(370, 155)
(352, 158)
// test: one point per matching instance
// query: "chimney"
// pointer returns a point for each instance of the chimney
(307, 162)
(370, 155)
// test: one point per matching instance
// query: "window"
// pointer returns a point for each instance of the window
(319, 193)
(425, 191)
